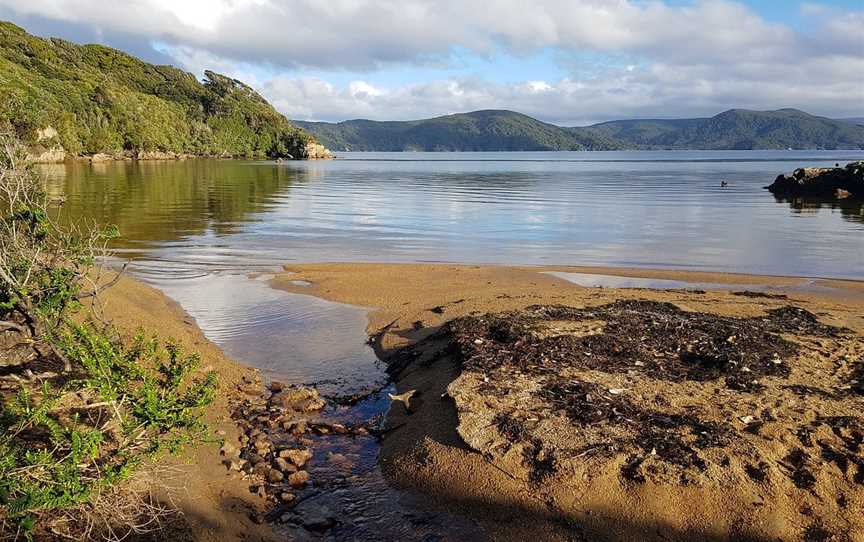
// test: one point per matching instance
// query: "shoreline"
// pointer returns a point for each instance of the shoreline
(312, 151)
(425, 450)
(428, 449)
(214, 505)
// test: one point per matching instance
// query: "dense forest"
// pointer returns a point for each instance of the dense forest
(93, 99)
(509, 131)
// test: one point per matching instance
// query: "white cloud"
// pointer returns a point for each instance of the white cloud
(657, 90)
(680, 59)
(366, 33)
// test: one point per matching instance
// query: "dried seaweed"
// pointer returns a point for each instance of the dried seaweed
(798, 463)
(656, 339)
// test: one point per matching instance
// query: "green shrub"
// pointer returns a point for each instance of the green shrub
(101, 406)
(52, 457)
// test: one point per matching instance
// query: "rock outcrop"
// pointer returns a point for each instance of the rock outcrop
(316, 151)
(845, 181)
(41, 155)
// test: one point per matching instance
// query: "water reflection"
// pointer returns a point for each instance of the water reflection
(625, 209)
(158, 202)
(851, 209)
(290, 337)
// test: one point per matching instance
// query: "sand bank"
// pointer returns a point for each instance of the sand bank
(778, 456)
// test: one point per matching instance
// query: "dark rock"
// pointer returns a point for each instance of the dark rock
(847, 181)
(254, 458)
(318, 518)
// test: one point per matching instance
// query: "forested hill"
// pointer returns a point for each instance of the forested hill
(510, 131)
(489, 130)
(739, 129)
(89, 99)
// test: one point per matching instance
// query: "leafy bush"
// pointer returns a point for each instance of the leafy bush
(101, 406)
(42, 268)
(56, 452)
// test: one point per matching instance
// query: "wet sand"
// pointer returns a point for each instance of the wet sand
(586, 497)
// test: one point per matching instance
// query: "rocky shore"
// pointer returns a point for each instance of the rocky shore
(838, 182)
(275, 446)
(39, 154)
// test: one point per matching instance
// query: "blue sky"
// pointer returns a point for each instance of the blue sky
(564, 61)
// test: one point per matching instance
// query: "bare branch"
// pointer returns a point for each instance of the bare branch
(101, 288)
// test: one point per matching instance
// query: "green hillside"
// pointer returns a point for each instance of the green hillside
(488, 130)
(853, 120)
(493, 130)
(782, 129)
(99, 100)
(737, 129)
(638, 133)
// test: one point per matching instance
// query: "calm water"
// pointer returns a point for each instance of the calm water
(656, 209)
(203, 230)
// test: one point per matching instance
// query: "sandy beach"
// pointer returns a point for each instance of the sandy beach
(759, 463)
(489, 442)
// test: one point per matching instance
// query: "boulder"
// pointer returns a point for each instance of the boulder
(283, 465)
(100, 157)
(274, 476)
(299, 399)
(316, 151)
(41, 155)
(825, 182)
(299, 457)
(298, 479)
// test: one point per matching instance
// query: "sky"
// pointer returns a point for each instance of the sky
(569, 62)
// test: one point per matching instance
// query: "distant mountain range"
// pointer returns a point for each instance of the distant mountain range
(497, 130)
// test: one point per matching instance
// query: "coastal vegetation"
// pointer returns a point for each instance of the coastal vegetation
(736, 129)
(91, 99)
(82, 407)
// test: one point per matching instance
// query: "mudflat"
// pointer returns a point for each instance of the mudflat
(551, 411)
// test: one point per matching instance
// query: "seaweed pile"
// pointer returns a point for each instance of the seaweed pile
(557, 356)
(655, 339)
